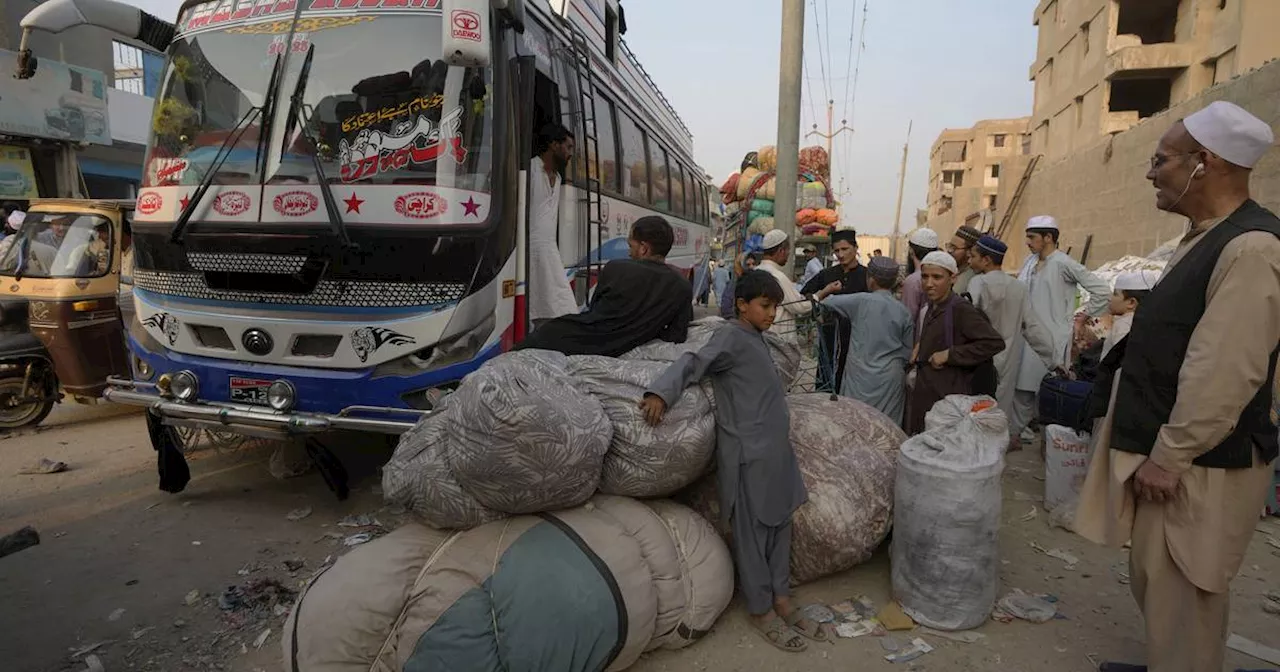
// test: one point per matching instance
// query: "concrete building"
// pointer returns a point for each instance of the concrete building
(1102, 198)
(1103, 65)
(967, 167)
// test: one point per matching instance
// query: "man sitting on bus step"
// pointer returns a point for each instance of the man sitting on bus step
(636, 300)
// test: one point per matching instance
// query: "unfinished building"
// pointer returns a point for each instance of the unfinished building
(966, 169)
(1104, 65)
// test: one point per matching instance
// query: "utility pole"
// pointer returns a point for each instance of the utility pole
(790, 79)
(829, 135)
(902, 183)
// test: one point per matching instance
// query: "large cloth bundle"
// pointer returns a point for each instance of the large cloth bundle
(784, 349)
(768, 158)
(945, 556)
(745, 181)
(524, 438)
(815, 160)
(646, 461)
(516, 437)
(419, 477)
(845, 450)
(759, 223)
(812, 195)
(589, 588)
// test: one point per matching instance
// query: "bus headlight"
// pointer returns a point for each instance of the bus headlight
(281, 395)
(185, 386)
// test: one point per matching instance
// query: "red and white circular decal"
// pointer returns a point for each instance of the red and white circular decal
(232, 203)
(421, 205)
(295, 203)
(149, 203)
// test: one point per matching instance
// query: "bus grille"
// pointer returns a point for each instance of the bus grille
(347, 293)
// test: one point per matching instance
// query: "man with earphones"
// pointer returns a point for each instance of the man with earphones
(1183, 457)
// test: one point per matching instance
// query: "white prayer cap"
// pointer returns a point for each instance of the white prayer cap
(1137, 281)
(773, 239)
(1042, 222)
(923, 237)
(941, 259)
(1227, 130)
(16, 218)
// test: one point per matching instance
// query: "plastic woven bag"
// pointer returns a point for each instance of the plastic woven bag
(945, 556)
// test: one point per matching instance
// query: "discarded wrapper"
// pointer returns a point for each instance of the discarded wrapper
(918, 648)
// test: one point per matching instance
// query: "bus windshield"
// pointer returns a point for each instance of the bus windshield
(378, 101)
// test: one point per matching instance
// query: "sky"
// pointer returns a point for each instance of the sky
(937, 63)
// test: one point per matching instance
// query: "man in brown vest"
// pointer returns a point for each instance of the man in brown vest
(1184, 454)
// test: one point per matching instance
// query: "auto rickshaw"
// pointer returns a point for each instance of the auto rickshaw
(65, 261)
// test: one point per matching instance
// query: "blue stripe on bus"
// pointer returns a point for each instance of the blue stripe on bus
(319, 390)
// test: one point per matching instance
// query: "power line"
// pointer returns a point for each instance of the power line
(812, 110)
(853, 22)
(822, 61)
(851, 100)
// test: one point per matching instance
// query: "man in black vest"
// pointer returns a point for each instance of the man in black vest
(1188, 428)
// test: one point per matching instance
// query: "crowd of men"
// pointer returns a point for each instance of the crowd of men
(1183, 440)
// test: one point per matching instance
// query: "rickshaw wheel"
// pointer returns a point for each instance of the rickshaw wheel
(15, 415)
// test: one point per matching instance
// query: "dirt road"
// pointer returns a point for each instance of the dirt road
(119, 561)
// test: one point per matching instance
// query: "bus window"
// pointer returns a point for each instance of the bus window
(658, 176)
(635, 170)
(677, 189)
(607, 141)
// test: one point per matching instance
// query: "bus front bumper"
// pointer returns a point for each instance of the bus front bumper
(258, 420)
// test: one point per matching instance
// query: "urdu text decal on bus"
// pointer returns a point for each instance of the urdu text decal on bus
(331, 229)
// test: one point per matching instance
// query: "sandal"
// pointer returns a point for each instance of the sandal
(781, 636)
(806, 627)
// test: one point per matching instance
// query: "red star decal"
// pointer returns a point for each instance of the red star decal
(470, 207)
(182, 204)
(353, 203)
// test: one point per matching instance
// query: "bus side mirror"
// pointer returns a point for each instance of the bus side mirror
(465, 31)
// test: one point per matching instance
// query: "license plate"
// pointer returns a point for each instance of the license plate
(249, 390)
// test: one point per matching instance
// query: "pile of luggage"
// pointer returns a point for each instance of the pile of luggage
(754, 191)
(543, 467)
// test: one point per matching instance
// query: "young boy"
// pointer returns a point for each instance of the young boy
(759, 481)
(1131, 288)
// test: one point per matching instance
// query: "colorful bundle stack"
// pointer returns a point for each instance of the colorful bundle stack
(754, 192)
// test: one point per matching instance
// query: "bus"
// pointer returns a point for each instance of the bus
(331, 229)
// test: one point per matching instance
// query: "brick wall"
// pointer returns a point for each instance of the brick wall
(1102, 190)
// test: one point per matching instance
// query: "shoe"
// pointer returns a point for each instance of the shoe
(1121, 667)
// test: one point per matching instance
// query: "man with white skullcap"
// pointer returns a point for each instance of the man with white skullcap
(881, 334)
(920, 242)
(1053, 280)
(1186, 446)
(776, 256)
(955, 340)
(1006, 303)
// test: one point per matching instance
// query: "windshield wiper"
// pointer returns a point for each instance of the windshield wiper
(224, 150)
(297, 113)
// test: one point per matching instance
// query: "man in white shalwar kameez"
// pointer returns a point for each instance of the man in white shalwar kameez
(549, 293)
(1007, 304)
(1184, 454)
(776, 252)
(1052, 278)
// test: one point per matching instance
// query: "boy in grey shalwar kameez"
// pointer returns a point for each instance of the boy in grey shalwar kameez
(759, 481)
